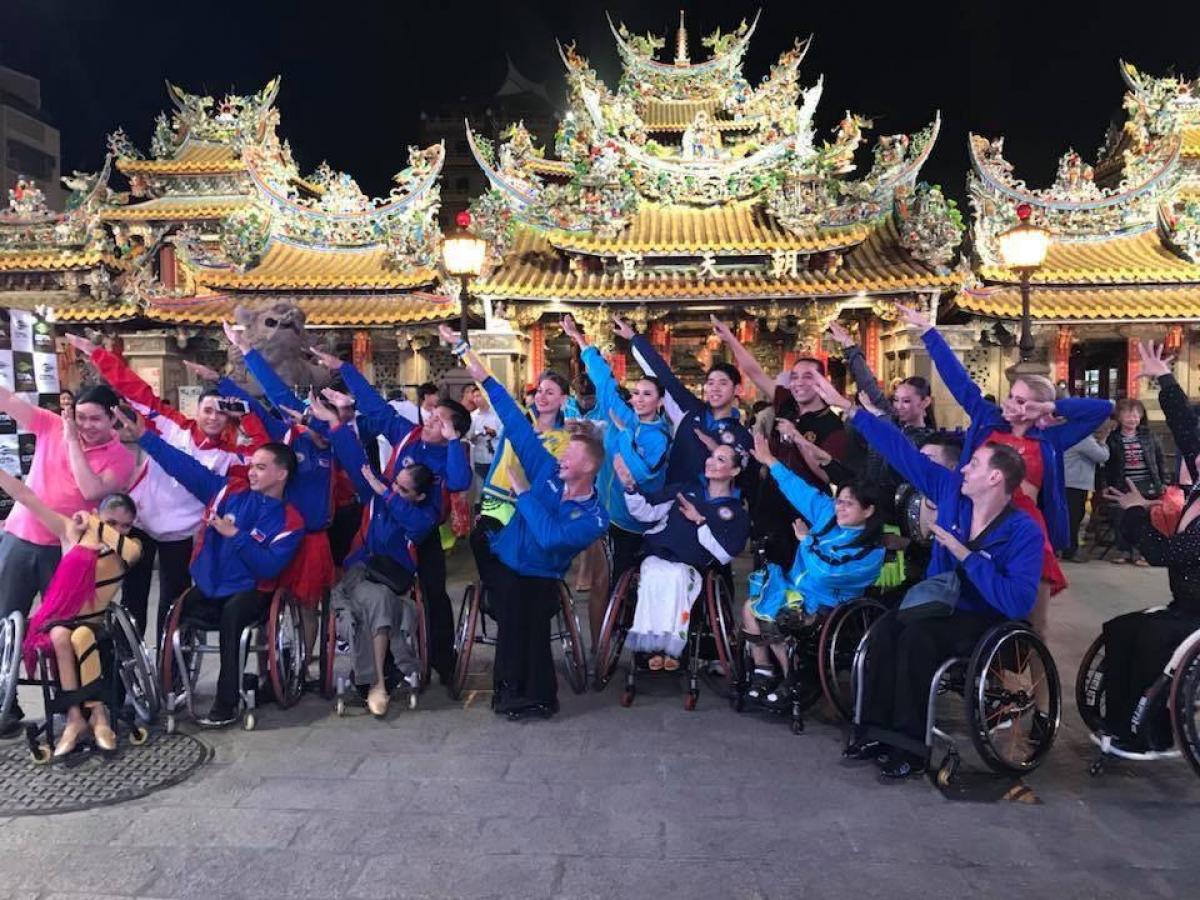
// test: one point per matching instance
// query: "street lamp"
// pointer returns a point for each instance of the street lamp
(462, 258)
(1023, 248)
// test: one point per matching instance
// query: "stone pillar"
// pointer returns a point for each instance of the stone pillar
(156, 358)
(503, 353)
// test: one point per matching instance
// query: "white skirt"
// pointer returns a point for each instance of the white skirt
(666, 592)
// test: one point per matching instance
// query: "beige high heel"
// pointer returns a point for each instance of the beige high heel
(378, 701)
(71, 734)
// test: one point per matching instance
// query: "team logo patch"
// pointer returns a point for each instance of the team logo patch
(257, 535)
(406, 462)
(323, 463)
(725, 513)
(727, 437)
(300, 457)
(576, 513)
(810, 436)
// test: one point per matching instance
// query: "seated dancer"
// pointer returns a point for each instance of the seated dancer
(77, 461)
(168, 515)
(692, 526)
(379, 573)
(839, 556)
(1138, 645)
(97, 552)
(993, 547)
(1028, 422)
(557, 515)
(251, 535)
(437, 443)
(638, 431)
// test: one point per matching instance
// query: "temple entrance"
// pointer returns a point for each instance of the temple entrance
(1099, 369)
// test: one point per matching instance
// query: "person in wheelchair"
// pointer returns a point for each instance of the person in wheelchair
(249, 537)
(558, 514)
(692, 527)
(985, 568)
(837, 559)
(97, 552)
(1138, 645)
(380, 570)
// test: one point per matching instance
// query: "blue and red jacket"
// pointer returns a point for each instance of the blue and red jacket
(269, 530)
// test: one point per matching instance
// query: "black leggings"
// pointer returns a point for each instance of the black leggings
(174, 558)
(431, 569)
(229, 615)
(346, 522)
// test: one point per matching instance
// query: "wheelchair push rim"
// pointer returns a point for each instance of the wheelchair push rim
(464, 638)
(286, 658)
(135, 668)
(574, 660)
(840, 637)
(719, 613)
(1089, 687)
(1185, 706)
(12, 635)
(614, 629)
(1013, 700)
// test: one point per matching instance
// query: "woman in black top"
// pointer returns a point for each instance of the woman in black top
(1139, 644)
(1134, 454)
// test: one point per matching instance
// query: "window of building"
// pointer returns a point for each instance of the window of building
(26, 160)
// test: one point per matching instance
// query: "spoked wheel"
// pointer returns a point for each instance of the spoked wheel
(464, 638)
(12, 634)
(1013, 699)
(574, 659)
(328, 647)
(718, 608)
(285, 652)
(134, 666)
(422, 635)
(618, 616)
(167, 662)
(1185, 706)
(838, 641)
(1089, 687)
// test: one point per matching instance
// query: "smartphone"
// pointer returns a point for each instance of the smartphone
(233, 405)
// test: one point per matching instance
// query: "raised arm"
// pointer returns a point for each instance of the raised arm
(281, 395)
(92, 484)
(275, 428)
(1083, 416)
(656, 366)
(856, 362)
(744, 359)
(931, 479)
(557, 532)
(1181, 418)
(351, 458)
(608, 398)
(23, 494)
(199, 481)
(378, 415)
(23, 413)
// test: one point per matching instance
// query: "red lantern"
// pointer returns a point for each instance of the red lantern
(1173, 341)
(747, 330)
(1024, 211)
(617, 363)
(1062, 353)
(463, 219)
(360, 349)
(1133, 367)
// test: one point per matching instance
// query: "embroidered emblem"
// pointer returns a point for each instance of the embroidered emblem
(300, 457)
(576, 513)
(725, 513)
(727, 437)
(257, 535)
(810, 436)
(406, 461)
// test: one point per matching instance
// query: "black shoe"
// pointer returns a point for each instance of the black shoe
(902, 767)
(860, 751)
(445, 669)
(10, 723)
(218, 717)
(532, 711)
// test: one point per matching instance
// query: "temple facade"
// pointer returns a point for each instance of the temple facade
(1124, 262)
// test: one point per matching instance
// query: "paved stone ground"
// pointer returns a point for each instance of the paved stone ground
(612, 802)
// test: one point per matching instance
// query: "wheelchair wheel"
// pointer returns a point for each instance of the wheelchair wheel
(134, 666)
(327, 650)
(422, 635)
(718, 609)
(285, 651)
(841, 633)
(166, 651)
(12, 635)
(464, 638)
(574, 659)
(618, 616)
(1013, 699)
(1185, 706)
(1089, 687)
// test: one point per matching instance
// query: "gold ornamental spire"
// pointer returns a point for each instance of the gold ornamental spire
(681, 44)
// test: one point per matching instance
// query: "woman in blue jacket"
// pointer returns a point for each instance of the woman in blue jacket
(640, 433)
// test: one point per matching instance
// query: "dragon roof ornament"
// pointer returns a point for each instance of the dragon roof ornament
(238, 120)
(28, 224)
(671, 78)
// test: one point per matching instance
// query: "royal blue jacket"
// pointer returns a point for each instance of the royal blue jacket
(269, 530)
(1002, 575)
(674, 537)
(392, 521)
(547, 531)
(688, 453)
(1083, 417)
(643, 445)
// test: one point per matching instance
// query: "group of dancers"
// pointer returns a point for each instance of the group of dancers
(290, 492)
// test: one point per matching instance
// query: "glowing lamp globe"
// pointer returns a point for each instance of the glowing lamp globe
(1024, 246)
(462, 255)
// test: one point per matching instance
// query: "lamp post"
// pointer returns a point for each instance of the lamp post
(1023, 248)
(462, 258)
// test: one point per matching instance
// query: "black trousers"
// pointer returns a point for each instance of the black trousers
(431, 569)
(1137, 647)
(174, 559)
(624, 548)
(771, 522)
(900, 665)
(343, 528)
(229, 615)
(1076, 502)
(523, 607)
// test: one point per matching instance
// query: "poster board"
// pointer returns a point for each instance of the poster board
(29, 368)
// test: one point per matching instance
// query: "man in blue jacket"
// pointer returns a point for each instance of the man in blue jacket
(995, 550)
(250, 536)
(558, 514)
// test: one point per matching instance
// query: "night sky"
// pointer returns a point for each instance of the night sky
(357, 74)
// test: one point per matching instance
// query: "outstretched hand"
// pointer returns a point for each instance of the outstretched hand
(372, 480)
(688, 509)
(706, 439)
(80, 343)
(829, 393)
(203, 372)
(956, 547)
(571, 330)
(1126, 499)
(328, 360)
(235, 337)
(133, 427)
(448, 334)
(913, 318)
(622, 328)
(319, 410)
(621, 468)
(722, 330)
(762, 450)
(838, 332)
(1154, 364)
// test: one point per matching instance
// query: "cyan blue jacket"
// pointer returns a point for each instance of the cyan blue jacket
(674, 537)
(391, 521)
(269, 530)
(547, 531)
(643, 445)
(831, 566)
(688, 452)
(1083, 417)
(1002, 575)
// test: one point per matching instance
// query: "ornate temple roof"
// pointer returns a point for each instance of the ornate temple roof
(1071, 305)
(295, 267)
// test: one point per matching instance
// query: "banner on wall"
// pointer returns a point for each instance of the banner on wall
(29, 368)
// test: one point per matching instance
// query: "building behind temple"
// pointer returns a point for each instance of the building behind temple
(29, 144)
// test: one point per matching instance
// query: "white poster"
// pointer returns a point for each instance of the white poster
(10, 456)
(22, 321)
(45, 373)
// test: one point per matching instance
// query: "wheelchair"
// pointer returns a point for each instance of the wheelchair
(341, 688)
(127, 685)
(473, 615)
(1179, 684)
(820, 663)
(277, 641)
(712, 641)
(1011, 695)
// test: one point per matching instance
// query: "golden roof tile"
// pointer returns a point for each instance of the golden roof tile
(1137, 259)
(49, 260)
(677, 115)
(292, 266)
(192, 158)
(323, 312)
(1085, 304)
(732, 228)
(1190, 148)
(85, 311)
(176, 208)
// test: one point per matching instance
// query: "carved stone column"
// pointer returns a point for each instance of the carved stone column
(156, 357)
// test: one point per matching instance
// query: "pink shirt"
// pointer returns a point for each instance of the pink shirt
(51, 479)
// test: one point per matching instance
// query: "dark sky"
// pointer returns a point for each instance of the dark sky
(357, 74)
